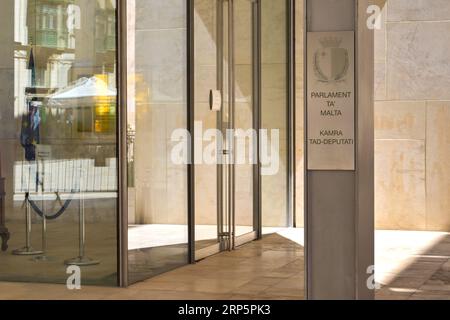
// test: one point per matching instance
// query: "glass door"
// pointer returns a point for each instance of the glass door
(245, 124)
(156, 127)
(225, 132)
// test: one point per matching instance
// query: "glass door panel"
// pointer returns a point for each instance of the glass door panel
(157, 121)
(206, 67)
(245, 135)
(223, 62)
(274, 112)
(225, 123)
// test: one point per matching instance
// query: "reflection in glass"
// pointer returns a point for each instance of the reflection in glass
(244, 96)
(209, 220)
(274, 103)
(58, 139)
(156, 108)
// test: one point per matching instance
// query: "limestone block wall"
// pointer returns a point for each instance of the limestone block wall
(206, 76)
(274, 103)
(243, 109)
(412, 116)
(205, 43)
(159, 81)
(159, 101)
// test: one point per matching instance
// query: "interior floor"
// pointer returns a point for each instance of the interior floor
(410, 265)
(158, 248)
(272, 268)
(159, 235)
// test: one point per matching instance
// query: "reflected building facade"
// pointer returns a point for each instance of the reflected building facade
(58, 144)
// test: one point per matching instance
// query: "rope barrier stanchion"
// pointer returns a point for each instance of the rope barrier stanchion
(82, 259)
(28, 249)
(43, 256)
(30, 206)
(55, 216)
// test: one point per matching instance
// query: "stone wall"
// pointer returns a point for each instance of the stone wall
(205, 43)
(274, 95)
(412, 116)
(158, 81)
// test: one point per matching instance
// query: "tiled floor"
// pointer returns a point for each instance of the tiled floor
(269, 269)
(410, 265)
(413, 265)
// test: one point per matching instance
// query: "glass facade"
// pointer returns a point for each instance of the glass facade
(58, 139)
(225, 190)
(274, 111)
(208, 58)
(202, 103)
(61, 130)
(156, 111)
(241, 50)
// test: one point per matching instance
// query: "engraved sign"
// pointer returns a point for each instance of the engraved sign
(331, 101)
(43, 152)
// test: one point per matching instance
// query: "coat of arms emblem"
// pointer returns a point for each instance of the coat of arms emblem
(331, 62)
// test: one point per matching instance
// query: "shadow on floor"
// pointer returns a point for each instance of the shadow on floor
(425, 276)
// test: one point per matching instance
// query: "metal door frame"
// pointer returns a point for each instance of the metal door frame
(122, 216)
(122, 172)
(233, 240)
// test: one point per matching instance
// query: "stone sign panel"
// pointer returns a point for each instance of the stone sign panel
(331, 101)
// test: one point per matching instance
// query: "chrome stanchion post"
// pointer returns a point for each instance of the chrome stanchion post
(43, 256)
(82, 260)
(82, 227)
(28, 249)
